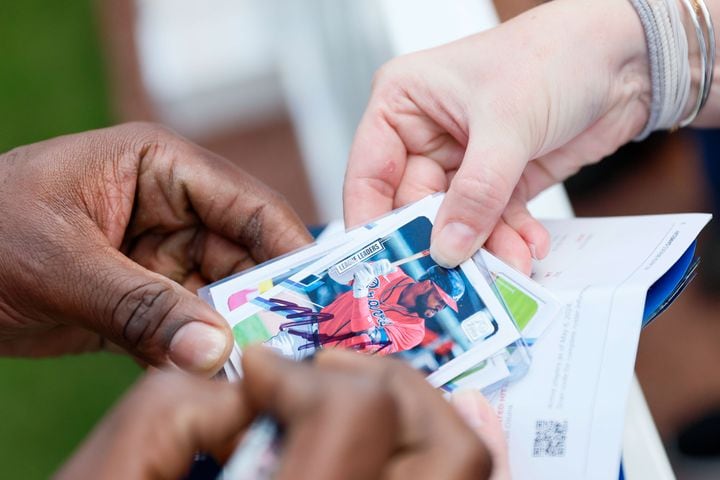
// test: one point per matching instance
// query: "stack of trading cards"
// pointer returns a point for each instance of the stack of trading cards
(377, 290)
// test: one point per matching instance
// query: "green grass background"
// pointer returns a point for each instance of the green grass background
(51, 83)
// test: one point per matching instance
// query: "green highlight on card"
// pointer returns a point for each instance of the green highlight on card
(522, 307)
(250, 331)
(471, 371)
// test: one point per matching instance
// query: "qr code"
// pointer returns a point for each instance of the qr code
(550, 438)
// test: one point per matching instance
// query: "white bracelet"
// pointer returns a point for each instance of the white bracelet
(669, 63)
(677, 65)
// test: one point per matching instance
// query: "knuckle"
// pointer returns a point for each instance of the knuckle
(141, 311)
(373, 396)
(147, 136)
(489, 192)
(277, 202)
(275, 215)
(143, 129)
(389, 371)
(392, 74)
(264, 200)
(386, 73)
(281, 202)
(356, 396)
(394, 368)
(251, 232)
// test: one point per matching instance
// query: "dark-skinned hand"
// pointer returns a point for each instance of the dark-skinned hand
(105, 236)
(346, 416)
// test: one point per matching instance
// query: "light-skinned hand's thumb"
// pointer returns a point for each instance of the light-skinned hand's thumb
(475, 201)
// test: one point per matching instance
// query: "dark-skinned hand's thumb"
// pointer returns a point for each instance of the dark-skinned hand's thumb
(151, 316)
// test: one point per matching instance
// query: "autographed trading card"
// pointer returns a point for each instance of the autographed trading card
(387, 297)
(531, 306)
(236, 290)
(232, 292)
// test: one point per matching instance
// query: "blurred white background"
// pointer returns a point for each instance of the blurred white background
(219, 64)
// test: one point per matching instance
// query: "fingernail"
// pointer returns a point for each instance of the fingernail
(533, 251)
(198, 347)
(453, 245)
